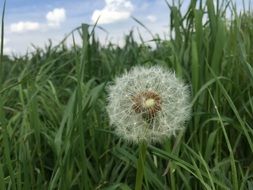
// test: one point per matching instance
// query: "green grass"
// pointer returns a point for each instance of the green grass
(54, 129)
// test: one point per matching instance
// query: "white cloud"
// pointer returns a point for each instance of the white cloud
(24, 26)
(56, 17)
(114, 10)
(151, 18)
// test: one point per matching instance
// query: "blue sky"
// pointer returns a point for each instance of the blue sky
(34, 22)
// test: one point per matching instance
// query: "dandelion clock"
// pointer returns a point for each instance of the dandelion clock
(148, 104)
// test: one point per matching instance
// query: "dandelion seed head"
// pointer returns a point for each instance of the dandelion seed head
(148, 104)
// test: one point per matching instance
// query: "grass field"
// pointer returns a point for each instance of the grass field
(54, 128)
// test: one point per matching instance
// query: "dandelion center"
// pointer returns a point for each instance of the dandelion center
(147, 103)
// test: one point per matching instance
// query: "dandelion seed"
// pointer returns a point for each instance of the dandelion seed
(148, 104)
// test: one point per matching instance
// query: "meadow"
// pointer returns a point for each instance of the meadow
(55, 131)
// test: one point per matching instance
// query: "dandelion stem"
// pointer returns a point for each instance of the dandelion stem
(141, 165)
